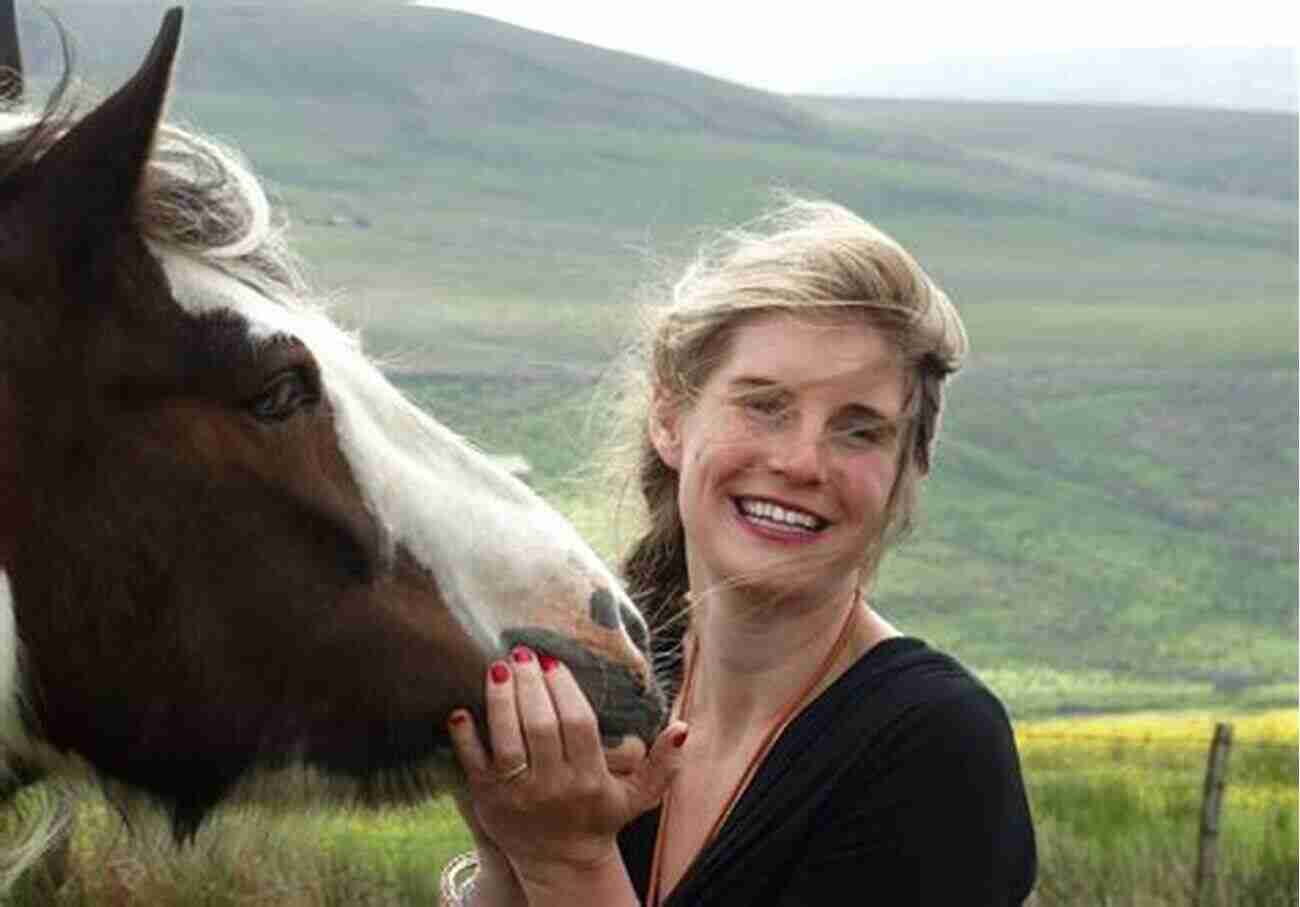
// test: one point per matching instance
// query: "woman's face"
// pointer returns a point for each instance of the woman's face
(787, 458)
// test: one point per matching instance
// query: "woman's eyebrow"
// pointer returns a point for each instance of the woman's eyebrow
(867, 411)
(744, 388)
(867, 418)
(744, 383)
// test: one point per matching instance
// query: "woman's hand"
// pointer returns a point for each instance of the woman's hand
(546, 794)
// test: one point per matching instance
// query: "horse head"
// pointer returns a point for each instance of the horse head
(227, 542)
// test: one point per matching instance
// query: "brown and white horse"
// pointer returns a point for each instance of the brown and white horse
(228, 546)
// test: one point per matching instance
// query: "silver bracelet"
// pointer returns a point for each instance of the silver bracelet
(458, 877)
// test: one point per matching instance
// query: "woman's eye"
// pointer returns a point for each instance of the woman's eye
(767, 407)
(283, 396)
(866, 435)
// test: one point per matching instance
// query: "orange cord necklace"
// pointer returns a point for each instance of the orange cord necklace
(783, 718)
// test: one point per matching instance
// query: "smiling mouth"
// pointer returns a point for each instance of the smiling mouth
(775, 516)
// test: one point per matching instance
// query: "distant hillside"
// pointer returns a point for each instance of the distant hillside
(433, 66)
(1243, 78)
(350, 107)
(519, 161)
(1224, 152)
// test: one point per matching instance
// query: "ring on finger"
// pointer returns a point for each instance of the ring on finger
(512, 773)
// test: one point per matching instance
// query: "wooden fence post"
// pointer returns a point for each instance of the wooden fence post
(1216, 778)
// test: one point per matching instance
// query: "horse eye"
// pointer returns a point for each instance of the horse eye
(283, 395)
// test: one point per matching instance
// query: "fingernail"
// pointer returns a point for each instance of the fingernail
(521, 654)
(457, 719)
(680, 738)
(500, 672)
(548, 662)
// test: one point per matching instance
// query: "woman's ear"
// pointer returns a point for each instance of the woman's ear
(664, 434)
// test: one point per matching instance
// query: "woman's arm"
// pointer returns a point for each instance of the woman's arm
(495, 883)
(492, 880)
(603, 882)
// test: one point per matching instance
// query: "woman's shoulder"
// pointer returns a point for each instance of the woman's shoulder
(913, 722)
(902, 683)
(909, 667)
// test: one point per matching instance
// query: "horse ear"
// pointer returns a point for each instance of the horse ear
(86, 185)
(11, 58)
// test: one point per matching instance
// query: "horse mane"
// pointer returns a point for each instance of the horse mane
(199, 198)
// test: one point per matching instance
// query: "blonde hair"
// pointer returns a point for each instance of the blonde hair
(804, 258)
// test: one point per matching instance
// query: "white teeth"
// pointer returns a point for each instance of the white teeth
(766, 510)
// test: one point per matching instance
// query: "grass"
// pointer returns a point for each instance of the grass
(1116, 801)
(1076, 564)
(1099, 523)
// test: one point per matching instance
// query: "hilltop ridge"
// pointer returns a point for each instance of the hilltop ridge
(447, 67)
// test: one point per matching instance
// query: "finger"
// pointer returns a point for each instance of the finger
(627, 757)
(578, 725)
(665, 760)
(507, 740)
(536, 713)
(465, 743)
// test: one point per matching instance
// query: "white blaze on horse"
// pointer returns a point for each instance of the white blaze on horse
(228, 545)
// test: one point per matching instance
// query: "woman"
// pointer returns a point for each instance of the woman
(790, 412)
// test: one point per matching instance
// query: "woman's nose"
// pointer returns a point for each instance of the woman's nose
(798, 455)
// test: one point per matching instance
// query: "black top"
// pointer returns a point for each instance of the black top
(899, 785)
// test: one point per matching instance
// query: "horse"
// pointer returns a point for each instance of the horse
(232, 553)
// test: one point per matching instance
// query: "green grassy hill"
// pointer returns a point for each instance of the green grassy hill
(1113, 522)
(1224, 151)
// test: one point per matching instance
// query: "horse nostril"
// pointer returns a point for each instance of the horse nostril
(608, 612)
(604, 609)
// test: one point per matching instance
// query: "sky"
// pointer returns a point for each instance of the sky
(789, 47)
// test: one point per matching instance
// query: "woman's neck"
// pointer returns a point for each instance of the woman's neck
(751, 659)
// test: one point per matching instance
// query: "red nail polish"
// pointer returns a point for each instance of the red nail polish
(457, 719)
(680, 738)
(548, 662)
(522, 655)
(500, 672)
